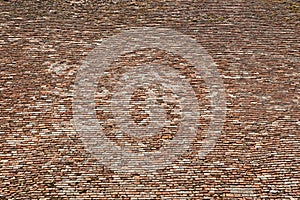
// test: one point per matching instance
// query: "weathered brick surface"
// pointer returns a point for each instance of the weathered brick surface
(255, 45)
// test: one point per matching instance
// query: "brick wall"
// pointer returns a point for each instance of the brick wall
(255, 46)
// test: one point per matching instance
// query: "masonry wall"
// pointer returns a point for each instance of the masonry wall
(255, 46)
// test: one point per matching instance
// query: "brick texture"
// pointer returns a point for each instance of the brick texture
(255, 45)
